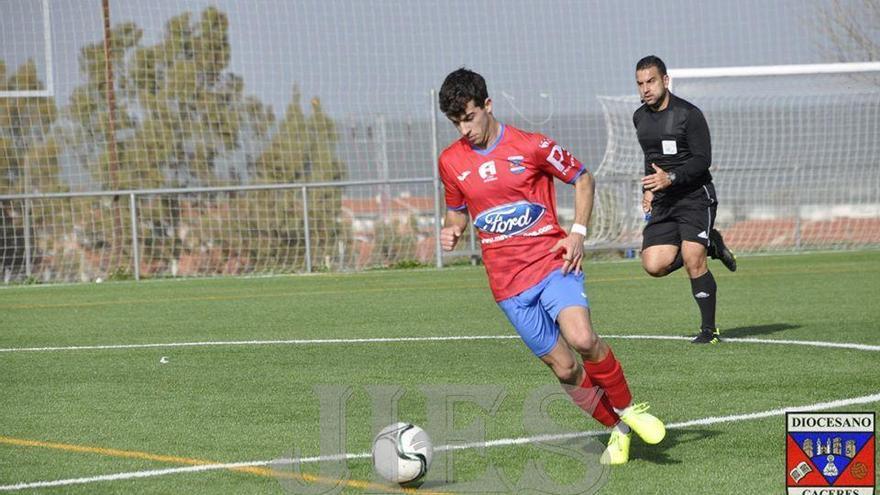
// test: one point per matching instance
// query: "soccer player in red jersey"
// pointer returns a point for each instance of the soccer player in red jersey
(503, 178)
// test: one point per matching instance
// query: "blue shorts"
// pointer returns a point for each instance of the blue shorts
(533, 312)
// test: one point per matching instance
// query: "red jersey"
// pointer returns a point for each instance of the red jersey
(508, 191)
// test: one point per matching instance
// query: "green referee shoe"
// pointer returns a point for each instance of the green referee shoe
(719, 251)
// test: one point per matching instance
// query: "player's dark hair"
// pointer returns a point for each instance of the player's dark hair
(651, 61)
(460, 87)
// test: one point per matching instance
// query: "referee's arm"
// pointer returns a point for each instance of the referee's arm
(700, 146)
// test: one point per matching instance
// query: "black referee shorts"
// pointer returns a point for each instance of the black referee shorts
(686, 218)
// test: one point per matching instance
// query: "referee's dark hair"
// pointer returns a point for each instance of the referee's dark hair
(652, 61)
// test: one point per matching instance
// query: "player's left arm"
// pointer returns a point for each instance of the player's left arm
(573, 245)
(700, 144)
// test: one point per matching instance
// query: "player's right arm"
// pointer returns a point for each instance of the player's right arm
(456, 219)
(453, 226)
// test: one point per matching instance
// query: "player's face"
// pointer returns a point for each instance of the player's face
(652, 86)
(476, 124)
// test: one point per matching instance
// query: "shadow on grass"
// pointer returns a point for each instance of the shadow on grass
(659, 454)
(754, 331)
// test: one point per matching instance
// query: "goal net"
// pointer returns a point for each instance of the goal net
(794, 153)
(172, 138)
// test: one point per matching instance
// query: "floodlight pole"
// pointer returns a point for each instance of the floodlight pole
(111, 128)
(111, 96)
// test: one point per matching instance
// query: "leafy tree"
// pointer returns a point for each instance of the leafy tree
(181, 119)
(301, 151)
(89, 112)
(191, 110)
(178, 112)
(325, 203)
(193, 114)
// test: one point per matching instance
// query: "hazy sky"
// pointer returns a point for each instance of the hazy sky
(362, 57)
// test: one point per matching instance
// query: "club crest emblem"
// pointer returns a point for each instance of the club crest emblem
(516, 166)
(828, 449)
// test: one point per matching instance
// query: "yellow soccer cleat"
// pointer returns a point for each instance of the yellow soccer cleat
(617, 451)
(647, 427)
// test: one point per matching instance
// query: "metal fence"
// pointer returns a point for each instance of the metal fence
(254, 230)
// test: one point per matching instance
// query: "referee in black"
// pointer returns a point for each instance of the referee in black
(679, 197)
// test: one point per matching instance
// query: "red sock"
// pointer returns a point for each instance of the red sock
(608, 374)
(593, 400)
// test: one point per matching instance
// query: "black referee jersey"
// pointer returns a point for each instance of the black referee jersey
(677, 140)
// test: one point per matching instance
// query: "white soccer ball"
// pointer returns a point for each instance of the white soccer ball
(402, 453)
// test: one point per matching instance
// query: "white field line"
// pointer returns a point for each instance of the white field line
(261, 342)
(809, 343)
(494, 443)
(820, 406)
(451, 338)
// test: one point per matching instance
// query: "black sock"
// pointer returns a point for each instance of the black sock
(704, 289)
(677, 263)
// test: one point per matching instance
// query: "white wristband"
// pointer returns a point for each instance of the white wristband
(579, 229)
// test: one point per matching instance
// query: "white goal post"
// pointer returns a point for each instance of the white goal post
(49, 91)
(772, 70)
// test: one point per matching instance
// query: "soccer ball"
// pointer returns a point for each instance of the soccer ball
(402, 453)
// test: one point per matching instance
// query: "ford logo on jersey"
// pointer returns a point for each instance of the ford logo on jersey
(509, 219)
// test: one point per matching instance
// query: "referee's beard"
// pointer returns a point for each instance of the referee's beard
(659, 102)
